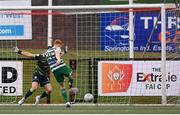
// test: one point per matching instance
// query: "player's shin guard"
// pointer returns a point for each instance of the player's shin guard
(64, 94)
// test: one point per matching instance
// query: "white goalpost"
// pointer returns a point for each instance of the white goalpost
(131, 32)
(105, 43)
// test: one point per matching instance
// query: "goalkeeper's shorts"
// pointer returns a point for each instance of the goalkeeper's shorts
(42, 80)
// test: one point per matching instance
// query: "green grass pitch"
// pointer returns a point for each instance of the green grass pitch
(93, 109)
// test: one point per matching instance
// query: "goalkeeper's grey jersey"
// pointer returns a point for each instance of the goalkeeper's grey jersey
(51, 58)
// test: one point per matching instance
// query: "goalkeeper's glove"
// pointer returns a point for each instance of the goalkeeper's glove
(17, 50)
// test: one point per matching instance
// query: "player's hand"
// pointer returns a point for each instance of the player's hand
(65, 49)
(62, 53)
(58, 62)
(17, 50)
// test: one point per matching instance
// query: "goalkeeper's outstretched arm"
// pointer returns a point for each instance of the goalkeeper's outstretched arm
(27, 54)
(24, 53)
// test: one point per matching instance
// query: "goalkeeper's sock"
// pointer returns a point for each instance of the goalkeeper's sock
(44, 94)
(64, 94)
(29, 93)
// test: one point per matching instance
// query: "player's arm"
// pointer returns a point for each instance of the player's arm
(64, 51)
(58, 55)
(27, 54)
(24, 53)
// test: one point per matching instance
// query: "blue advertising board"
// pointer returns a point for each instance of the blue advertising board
(11, 30)
(115, 31)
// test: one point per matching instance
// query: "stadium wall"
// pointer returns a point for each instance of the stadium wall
(64, 27)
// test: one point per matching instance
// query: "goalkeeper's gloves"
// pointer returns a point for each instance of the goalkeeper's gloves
(17, 50)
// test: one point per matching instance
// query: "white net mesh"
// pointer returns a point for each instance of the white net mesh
(98, 49)
(105, 37)
(172, 39)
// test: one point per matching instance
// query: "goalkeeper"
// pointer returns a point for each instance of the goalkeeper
(59, 68)
(40, 76)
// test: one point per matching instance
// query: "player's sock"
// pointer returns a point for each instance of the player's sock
(64, 94)
(44, 94)
(29, 93)
(70, 82)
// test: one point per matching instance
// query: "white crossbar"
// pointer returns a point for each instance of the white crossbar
(80, 7)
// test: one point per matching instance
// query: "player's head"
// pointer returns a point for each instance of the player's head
(58, 43)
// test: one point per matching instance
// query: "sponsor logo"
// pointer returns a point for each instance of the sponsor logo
(153, 77)
(137, 78)
(119, 27)
(11, 30)
(115, 32)
(11, 78)
(153, 80)
(116, 77)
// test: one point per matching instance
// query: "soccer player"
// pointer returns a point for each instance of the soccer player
(59, 68)
(40, 76)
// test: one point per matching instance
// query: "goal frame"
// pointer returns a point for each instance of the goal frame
(130, 6)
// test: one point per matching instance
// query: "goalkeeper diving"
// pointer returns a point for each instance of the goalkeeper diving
(40, 76)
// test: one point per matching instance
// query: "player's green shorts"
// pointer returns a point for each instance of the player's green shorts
(61, 72)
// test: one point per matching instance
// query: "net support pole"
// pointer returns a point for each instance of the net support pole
(163, 54)
(49, 39)
(131, 32)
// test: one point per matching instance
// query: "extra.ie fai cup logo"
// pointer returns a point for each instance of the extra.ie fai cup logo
(116, 77)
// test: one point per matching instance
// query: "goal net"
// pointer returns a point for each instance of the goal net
(172, 51)
(172, 39)
(99, 46)
(104, 66)
(19, 28)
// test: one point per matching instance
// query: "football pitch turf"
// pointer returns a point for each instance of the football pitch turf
(94, 109)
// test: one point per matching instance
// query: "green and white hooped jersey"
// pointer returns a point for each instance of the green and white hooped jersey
(51, 58)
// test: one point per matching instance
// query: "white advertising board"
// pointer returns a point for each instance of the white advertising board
(137, 78)
(15, 25)
(11, 79)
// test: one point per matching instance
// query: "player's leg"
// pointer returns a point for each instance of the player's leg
(63, 91)
(70, 79)
(44, 82)
(48, 90)
(64, 94)
(35, 85)
(72, 91)
(60, 79)
(67, 72)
